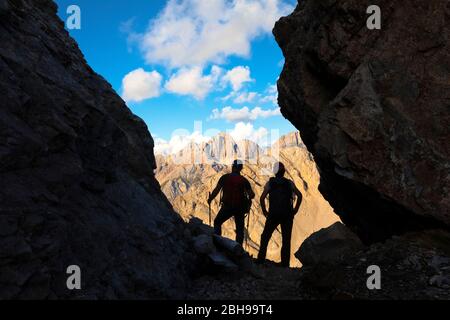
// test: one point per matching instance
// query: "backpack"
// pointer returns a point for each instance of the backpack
(280, 196)
(234, 193)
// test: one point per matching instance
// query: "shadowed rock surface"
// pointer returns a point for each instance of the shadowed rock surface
(329, 245)
(373, 109)
(76, 170)
(414, 266)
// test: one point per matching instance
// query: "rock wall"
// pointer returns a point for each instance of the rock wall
(76, 172)
(373, 108)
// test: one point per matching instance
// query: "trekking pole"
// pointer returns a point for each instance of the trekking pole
(248, 232)
(247, 235)
(209, 205)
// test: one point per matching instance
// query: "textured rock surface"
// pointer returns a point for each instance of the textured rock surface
(373, 108)
(188, 183)
(329, 245)
(76, 172)
(413, 266)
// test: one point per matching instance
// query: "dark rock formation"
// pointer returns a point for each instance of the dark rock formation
(329, 245)
(373, 108)
(76, 172)
(216, 254)
(415, 266)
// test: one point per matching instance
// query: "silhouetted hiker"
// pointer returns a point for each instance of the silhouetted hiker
(281, 193)
(237, 195)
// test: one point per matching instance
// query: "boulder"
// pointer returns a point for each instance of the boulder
(329, 246)
(203, 244)
(372, 107)
(223, 262)
(229, 246)
(197, 227)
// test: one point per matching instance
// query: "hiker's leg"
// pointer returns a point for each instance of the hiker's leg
(222, 216)
(239, 219)
(286, 233)
(269, 228)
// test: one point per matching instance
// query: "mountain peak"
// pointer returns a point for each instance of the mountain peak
(292, 139)
(223, 148)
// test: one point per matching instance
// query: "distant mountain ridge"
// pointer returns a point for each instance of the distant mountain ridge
(189, 175)
(223, 149)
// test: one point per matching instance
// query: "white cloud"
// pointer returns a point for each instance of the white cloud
(241, 131)
(127, 26)
(271, 95)
(178, 142)
(191, 81)
(246, 97)
(245, 114)
(237, 76)
(272, 89)
(197, 32)
(273, 99)
(241, 97)
(247, 131)
(139, 85)
(162, 146)
(229, 96)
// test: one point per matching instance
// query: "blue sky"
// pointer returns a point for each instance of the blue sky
(189, 68)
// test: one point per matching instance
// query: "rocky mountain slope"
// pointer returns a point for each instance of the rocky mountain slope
(187, 177)
(76, 170)
(373, 109)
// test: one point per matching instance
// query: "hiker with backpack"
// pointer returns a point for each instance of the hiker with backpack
(281, 192)
(237, 195)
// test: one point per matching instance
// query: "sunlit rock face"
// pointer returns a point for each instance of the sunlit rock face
(187, 185)
(76, 172)
(373, 108)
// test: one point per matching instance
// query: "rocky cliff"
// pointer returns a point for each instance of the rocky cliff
(373, 108)
(76, 172)
(187, 184)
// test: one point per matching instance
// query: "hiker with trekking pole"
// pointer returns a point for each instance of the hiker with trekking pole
(236, 200)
